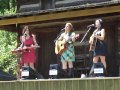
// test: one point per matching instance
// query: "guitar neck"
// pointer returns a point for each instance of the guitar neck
(32, 47)
(93, 44)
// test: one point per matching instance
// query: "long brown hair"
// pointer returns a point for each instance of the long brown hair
(101, 22)
(24, 30)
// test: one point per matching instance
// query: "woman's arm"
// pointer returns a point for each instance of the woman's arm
(73, 37)
(34, 40)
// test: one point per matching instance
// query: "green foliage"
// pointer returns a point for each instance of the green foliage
(7, 5)
(7, 40)
(7, 59)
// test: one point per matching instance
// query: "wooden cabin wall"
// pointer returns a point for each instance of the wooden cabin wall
(50, 4)
(45, 54)
(47, 4)
(67, 3)
(110, 28)
(117, 49)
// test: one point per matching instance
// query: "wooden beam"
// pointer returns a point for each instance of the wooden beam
(61, 15)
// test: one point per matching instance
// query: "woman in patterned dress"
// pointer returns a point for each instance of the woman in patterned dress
(68, 56)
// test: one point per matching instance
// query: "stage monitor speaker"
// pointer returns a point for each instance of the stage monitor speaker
(53, 71)
(97, 70)
(29, 73)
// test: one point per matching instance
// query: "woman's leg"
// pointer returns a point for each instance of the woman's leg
(18, 71)
(64, 65)
(70, 64)
(64, 68)
(70, 71)
(32, 66)
(103, 61)
(95, 59)
(25, 64)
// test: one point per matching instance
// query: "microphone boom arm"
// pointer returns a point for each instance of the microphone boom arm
(85, 35)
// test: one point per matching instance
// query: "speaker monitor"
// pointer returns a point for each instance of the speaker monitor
(53, 71)
(97, 70)
(29, 73)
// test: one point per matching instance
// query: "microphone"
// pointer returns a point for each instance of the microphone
(63, 29)
(92, 25)
(25, 34)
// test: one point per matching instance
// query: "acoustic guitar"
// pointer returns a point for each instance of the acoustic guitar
(93, 44)
(61, 45)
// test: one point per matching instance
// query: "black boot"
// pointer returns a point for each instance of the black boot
(65, 73)
(71, 73)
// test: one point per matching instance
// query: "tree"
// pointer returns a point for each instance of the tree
(7, 60)
(7, 5)
(7, 40)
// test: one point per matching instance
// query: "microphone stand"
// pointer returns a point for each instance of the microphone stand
(85, 49)
(58, 36)
(85, 35)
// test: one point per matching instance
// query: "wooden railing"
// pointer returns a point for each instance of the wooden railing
(63, 84)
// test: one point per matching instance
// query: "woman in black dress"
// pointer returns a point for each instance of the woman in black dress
(100, 47)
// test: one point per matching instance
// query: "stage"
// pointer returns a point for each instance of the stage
(96, 83)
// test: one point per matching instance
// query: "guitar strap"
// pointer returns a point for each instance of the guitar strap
(70, 39)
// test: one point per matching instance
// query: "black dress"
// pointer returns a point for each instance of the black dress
(100, 49)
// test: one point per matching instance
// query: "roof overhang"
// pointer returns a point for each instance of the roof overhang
(60, 13)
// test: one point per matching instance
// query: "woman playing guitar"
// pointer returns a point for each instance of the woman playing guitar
(97, 44)
(67, 54)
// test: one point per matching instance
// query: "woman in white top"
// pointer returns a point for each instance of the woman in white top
(68, 56)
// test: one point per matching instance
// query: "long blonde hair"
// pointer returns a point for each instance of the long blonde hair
(71, 26)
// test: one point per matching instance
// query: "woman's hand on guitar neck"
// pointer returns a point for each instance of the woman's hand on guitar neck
(32, 46)
(25, 47)
(75, 37)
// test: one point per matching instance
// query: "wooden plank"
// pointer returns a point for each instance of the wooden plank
(61, 15)
(101, 84)
(95, 85)
(116, 84)
(75, 85)
(82, 85)
(109, 84)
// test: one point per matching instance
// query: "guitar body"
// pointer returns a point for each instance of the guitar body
(93, 45)
(16, 51)
(60, 47)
